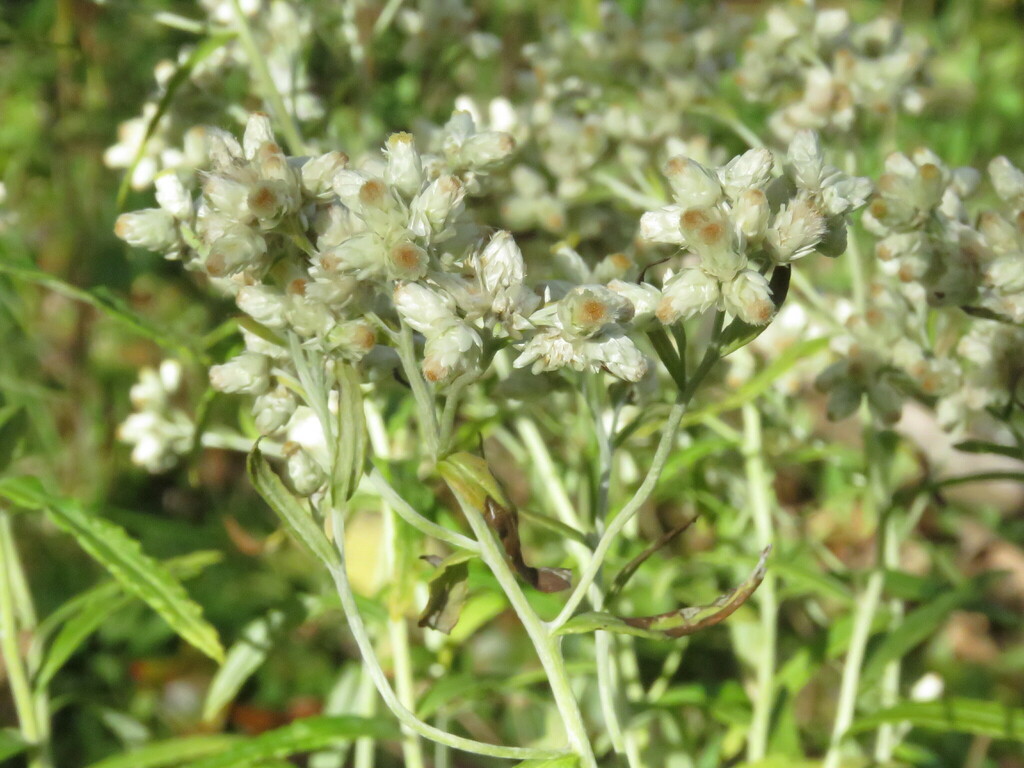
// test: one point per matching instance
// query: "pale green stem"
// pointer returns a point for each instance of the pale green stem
(875, 500)
(30, 708)
(451, 409)
(421, 392)
(759, 494)
(859, 268)
(366, 748)
(547, 647)
(619, 522)
(404, 510)
(271, 94)
(848, 687)
(398, 634)
(626, 193)
(554, 489)
(372, 666)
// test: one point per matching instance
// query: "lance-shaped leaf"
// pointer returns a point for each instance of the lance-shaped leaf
(122, 556)
(448, 590)
(471, 480)
(295, 514)
(684, 621)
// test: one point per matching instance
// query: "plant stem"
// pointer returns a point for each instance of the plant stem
(619, 522)
(30, 708)
(404, 510)
(875, 501)
(398, 634)
(380, 680)
(759, 494)
(547, 647)
(421, 392)
(258, 63)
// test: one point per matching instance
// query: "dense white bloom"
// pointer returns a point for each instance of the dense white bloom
(748, 297)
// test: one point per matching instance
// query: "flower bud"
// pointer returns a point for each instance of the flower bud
(228, 197)
(234, 252)
(405, 169)
(258, 131)
(748, 297)
(304, 474)
(317, 173)
(247, 374)
(618, 355)
(172, 196)
(797, 229)
(694, 185)
(353, 339)
(750, 213)
(688, 293)
(644, 297)
(500, 264)
(266, 305)
(663, 226)
(431, 208)
(750, 171)
(152, 228)
(452, 352)
(423, 309)
(487, 149)
(272, 409)
(1007, 179)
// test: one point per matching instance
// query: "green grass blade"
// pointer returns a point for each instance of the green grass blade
(982, 718)
(172, 752)
(304, 735)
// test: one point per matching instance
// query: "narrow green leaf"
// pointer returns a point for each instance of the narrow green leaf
(294, 514)
(300, 736)
(85, 613)
(171, 752)
(916, 627)
(112, 547)
(623, 576)
(242, 660)
(11, 743)
(566, 761)
(75, 632)
(982, 718)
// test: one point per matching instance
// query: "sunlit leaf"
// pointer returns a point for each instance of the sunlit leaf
(171, 752)
(448, 592)
(982, 718)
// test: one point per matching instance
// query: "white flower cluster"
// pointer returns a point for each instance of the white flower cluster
(826, 70)
(158, 431)
(281, 30)
(741, 221)
(934, 244)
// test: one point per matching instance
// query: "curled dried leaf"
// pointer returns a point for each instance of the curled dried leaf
(677, 623)
(504, 521)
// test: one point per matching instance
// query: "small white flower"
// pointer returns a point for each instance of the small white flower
(273, 409)
(152, 228)
(405, 168)
(693, 185)
(453, 351)
(688, 293)
(304, 473)
(748, 297)
(247, 373)
(663, 226)
(423, 309)
(750, 171)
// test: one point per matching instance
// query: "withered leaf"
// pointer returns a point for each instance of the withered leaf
(623, 576)
(505, 522)
(677, 623)
(448, 590)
